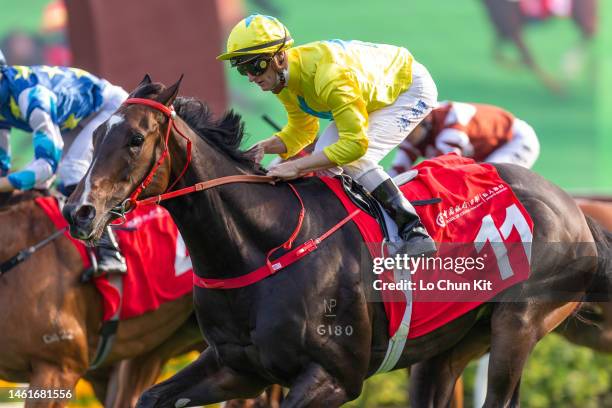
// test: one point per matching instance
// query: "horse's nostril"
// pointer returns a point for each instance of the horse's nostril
(85, 213)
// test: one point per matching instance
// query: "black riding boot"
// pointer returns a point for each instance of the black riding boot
(408, 222)
(110, 259)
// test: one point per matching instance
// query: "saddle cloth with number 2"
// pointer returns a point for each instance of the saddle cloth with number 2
(159, 267)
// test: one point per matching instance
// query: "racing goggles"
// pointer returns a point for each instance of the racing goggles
(254, 66)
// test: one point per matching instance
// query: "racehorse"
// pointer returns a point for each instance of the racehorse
(49, 321)
(267, 332)
(595, 331)
(509, 21)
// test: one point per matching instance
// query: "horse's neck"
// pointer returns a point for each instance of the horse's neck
(16, 197)
(227, 229)
(4, 198)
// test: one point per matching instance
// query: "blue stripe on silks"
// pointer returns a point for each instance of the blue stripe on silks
(346, 43)
(339, 42)
(44, 148)
(43, 99)
(248, 20)
(22, 180)
(304, 106)
(5, 161)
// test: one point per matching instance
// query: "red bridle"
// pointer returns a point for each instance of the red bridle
(132, 201)
(169, 112)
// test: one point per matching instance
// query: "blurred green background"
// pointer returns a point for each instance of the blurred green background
(454, 39)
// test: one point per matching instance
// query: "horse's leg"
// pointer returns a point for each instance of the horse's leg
(138, 373)
(458, 391)
(99, 380)
(432, 381)
(508, 22)
(513, 336)
(131, 378)
(202, 382)
(502, 59)
(584, 14)
(515, 329)
(315, 387)
(274, 396)
(551, 83)
(515, 402)
(100, 388)
(271, 398)
(49, 377)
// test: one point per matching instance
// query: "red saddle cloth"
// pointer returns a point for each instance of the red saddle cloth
(159, 268)
(477, 208)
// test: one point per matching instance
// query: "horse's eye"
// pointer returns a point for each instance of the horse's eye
(137, 140)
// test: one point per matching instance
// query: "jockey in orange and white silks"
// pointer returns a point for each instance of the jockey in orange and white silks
(373, 94)
(484, 132)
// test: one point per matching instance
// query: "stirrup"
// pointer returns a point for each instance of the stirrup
(111, 262)
(420, 246)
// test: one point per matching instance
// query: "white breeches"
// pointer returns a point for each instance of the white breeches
(387, 128)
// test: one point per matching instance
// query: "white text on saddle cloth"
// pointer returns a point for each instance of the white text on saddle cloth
(498, 258)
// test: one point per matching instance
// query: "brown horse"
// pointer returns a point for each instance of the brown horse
(268, 332)
(49, 320)
(508, 20)
(595, 331)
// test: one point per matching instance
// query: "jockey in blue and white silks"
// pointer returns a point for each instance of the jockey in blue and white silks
(56, 103)
(52, 102)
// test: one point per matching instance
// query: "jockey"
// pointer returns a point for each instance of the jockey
(484, 132)
(56, 103)
(374, 94)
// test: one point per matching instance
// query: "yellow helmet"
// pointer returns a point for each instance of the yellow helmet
(257, 34)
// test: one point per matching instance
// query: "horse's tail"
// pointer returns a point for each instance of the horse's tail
(601, 288)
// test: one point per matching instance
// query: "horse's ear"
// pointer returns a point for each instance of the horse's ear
(170, 93)
(145, 81)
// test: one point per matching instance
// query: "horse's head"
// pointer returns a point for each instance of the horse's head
(128, 147)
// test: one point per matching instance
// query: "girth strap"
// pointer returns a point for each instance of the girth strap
(109, 328)
(270, 269)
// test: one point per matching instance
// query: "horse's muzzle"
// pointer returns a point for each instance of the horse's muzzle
(80, 218)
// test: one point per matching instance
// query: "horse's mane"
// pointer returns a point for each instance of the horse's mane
(9, 199)
(226, 134)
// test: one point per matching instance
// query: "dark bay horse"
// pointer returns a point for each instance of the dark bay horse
(267, 332)
(509, 20)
